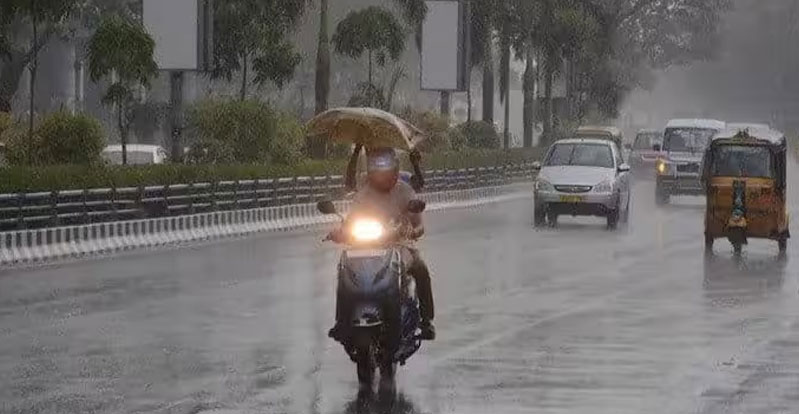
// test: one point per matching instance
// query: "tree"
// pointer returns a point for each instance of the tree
(374, 31)
(34, 20)
(253, 34)
(122, 49)
(482, 33)
(525, 42)
(505, 18)
(54, 18)
(414, 12)
(322, 60)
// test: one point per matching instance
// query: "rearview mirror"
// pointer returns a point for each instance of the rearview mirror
(656, 147)
(416, 206)
(326, 207)
(537, 166)
(624, 168)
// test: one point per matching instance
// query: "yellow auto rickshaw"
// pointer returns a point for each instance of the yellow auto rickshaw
(745, 181)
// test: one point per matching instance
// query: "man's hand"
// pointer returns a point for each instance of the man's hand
(415, 157)
(336, 236)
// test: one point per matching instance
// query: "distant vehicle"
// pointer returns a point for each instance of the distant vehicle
(684, 144)
(645, 151)
(138, 154)
(582, 177)
(601, 132)
(744, 172)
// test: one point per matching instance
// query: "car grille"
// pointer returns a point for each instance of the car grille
(573, 188)
(688, 168)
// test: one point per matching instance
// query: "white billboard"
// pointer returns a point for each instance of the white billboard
(181, 30)
(443, 41)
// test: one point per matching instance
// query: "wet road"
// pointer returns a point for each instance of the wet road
(569, 320)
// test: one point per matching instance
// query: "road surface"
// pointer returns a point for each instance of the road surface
(569, 320)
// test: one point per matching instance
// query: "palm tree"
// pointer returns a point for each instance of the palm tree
(322, 60)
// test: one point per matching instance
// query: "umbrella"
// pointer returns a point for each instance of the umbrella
(368, 126)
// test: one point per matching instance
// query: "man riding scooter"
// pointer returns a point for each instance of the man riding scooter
(386, 194)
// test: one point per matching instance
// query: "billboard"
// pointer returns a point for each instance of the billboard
(443, 65)
(182, 30)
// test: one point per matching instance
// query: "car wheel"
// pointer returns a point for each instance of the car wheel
(539, 215)
(552, 218)
(783, 244)
(613, 217)
(625, 218)
(708, 244)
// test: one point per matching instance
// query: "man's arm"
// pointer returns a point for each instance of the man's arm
(417, 180)
(417, 227)
(350, 182)
(415, 219)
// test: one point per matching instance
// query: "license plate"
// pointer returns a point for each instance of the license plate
(365, 253)
(571, 199)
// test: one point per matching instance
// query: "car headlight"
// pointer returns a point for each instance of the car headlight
(365, 230)
(603, 187)
(544, 185)
(662, 166)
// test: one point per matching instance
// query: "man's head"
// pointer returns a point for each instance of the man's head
(382, 167)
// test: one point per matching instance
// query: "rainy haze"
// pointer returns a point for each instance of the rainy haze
(586, 207)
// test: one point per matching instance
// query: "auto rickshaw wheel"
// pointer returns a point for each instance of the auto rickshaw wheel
(709, 243)
(738, 239)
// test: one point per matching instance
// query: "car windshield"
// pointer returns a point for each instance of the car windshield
(647, 140)
(687, 139)
(742, 161)
(585, 155)
(134, 157)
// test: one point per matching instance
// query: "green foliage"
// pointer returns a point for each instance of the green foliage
(373, 30)
(367, 94)
(122, 47)
(5, 123)
(62, 177)
(288, 144)
(478, 134)
(243, 131)
(61, 138)
(435, 127)
(256, 32)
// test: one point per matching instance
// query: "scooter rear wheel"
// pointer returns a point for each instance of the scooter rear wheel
(365, 367)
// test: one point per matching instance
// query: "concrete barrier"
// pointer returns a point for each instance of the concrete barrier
(25, 247)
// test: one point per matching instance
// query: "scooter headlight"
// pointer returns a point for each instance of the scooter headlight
(365, 230)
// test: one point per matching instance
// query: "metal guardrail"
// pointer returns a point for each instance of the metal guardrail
(32, 246)
(101, 205)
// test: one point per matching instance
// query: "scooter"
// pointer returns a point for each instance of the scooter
(382, 327)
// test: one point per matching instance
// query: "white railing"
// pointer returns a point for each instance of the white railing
(24, 247)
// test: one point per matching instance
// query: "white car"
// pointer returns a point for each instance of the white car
(137, 154)
(582, 177)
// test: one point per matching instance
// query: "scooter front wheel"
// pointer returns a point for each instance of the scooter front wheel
(365, 357)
